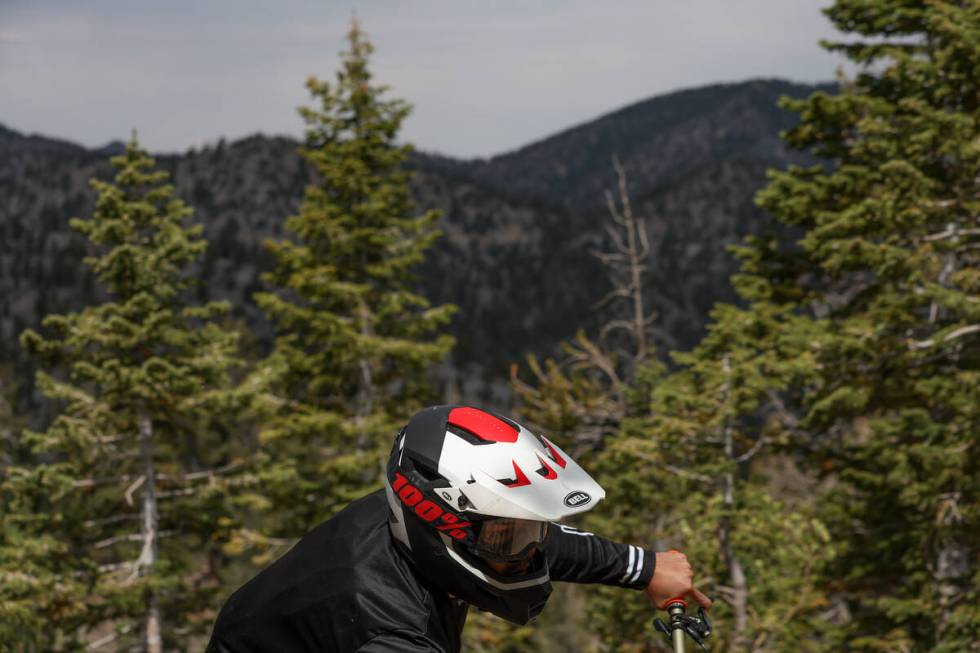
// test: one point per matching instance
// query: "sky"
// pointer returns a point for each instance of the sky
(484, 77)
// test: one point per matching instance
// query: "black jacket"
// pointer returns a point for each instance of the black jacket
(346, 588)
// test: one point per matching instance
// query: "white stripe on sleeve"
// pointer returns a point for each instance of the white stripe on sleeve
(639, 567)
(629, 567)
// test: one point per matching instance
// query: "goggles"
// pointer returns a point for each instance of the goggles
(509, 540)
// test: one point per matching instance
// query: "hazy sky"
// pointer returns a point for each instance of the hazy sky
(484, 76)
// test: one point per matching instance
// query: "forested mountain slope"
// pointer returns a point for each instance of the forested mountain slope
(519, 227)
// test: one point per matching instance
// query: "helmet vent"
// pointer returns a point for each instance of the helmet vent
(545, 470)
(554, 454)
(427, 473)
(472, 438)
(520, 478)
(482, 424)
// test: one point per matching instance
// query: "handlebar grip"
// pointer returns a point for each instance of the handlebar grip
(677, 600)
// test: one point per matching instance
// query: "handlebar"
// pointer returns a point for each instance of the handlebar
(697, 627)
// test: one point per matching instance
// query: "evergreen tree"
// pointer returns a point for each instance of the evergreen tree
(698, 445)
(354, 342)
(35, 575)
(867, 330)
(130, 469)
(11, 423)
(700, 460)
(889, 265)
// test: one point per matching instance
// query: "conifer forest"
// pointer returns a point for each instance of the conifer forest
(795, 405)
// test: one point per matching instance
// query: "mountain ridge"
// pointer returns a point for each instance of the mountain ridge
(519, 229)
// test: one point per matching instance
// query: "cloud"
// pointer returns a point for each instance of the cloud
(8, 36)
(483, 76)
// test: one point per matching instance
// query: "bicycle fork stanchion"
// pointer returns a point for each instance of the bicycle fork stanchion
(676, 610)
(697, 628)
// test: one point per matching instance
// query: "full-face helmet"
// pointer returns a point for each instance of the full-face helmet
(471, 497)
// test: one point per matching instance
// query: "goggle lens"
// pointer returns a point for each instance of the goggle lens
(506, 539)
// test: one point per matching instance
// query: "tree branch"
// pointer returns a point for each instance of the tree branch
(613, 212)
(608, 258)
(617, 240)
(106, 543)
(132, 488)
(217, 471)
(683, 473)
(108, 639)
(611, 295)
(950, 232)
(129, 537)
(185, 492)
(952, 335)
(751, 452)
(612, 326)
(116, 566)
(91, 523)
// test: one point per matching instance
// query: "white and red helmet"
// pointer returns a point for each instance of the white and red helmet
(468, 488)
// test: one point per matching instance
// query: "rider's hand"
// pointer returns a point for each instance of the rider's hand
(672, 578)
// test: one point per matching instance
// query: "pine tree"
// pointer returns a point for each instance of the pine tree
(130, 468)
(867, 330)
(889, 270)
(11, 423)
(355, 343)
(700, 480)
(35, 576)
(698, 444)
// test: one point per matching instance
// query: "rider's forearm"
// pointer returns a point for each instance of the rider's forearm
(580, 557)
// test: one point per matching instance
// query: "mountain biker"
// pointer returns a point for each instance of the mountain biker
(469, 515)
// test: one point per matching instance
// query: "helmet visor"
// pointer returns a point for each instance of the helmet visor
(505, 539)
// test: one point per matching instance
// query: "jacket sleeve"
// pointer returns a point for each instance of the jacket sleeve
(400, 641)
(581, 557)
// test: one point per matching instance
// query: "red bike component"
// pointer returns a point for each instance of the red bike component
(674, 601)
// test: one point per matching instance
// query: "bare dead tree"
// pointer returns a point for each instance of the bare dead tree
(587, 386)
(626, 265)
